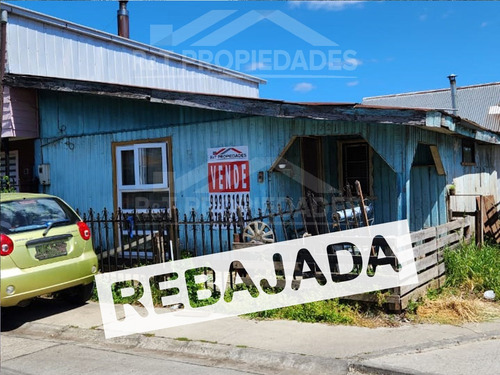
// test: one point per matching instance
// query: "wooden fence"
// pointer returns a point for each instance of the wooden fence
(428, 248)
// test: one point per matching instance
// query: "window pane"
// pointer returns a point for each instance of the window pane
(356, 166)
(128, 177)
(144, 200)
(150, 166)
(468, 152)
(31, 214)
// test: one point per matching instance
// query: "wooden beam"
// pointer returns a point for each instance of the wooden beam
(351, 112)
(437, 160)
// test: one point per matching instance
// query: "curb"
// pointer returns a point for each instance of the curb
(383, 370)
(238, 358)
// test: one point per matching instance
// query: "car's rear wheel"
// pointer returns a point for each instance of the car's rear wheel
(78, 295)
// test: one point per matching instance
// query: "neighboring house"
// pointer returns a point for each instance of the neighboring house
(114, 144)
(42, 46)
(476, 103)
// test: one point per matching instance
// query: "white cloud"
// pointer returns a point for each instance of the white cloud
(303, 87)
(355, 62)
(352, 83)
(336, 5)
(256, 66)
(351, 62)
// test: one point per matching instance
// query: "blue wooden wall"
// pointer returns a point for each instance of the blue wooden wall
(77, 132)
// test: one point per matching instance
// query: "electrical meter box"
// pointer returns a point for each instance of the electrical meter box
(44, 174)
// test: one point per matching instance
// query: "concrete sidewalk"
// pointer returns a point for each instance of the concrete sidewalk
(286, 346)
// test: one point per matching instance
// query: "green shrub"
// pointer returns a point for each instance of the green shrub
(330, 311)
(473, 269)
(7, 185)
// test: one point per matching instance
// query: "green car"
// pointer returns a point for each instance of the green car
(45, 248)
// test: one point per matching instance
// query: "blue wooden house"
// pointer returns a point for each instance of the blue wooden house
(118, 143)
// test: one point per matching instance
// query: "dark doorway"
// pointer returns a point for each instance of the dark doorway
(313, 186)
(312, 176)
(356, 165)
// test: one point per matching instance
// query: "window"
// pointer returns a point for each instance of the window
(34, 214)
(13, 167)
(142, 176)
(356, 166)
(468, 152)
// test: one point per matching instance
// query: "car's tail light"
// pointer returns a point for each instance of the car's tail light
(7, 245)
(84, 230)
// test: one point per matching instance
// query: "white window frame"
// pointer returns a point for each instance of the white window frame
(138, 187)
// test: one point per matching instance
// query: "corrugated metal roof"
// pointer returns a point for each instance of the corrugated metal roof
(473, 102)
(41, 45)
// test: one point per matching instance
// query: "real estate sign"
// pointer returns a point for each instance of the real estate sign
(228, 178)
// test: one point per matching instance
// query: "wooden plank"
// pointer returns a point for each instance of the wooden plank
(425, 263)
(423, 278)
(492, 218)
(440, 255)
(282, 153)
(448, 240)
(370, 297)
(441, 269)
(426, 248)
(449, 227)
(437, 160)
(479, 221)
(423, 235)
(421, 291)
(469, 227)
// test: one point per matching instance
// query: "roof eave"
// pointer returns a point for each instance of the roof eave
(433, 120)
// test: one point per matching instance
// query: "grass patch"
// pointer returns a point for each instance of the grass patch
(208, 342)
(332, 311)
(473, 269)
(470, 271)
(182, 339)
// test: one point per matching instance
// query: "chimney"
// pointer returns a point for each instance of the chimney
(453, 87)
(122, 16)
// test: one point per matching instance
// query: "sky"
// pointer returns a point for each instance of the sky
(316, 51)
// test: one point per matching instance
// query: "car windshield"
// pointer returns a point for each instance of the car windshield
(31, 214)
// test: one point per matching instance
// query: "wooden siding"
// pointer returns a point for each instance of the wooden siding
(20, 113)
(77, 132)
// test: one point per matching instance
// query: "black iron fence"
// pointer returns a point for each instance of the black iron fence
(124, 239)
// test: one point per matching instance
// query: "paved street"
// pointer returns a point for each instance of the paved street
(51, 337)
(36, 356)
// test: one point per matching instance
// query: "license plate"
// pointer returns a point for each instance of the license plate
(50, 250)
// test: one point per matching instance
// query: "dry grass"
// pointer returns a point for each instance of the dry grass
(453, 309)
